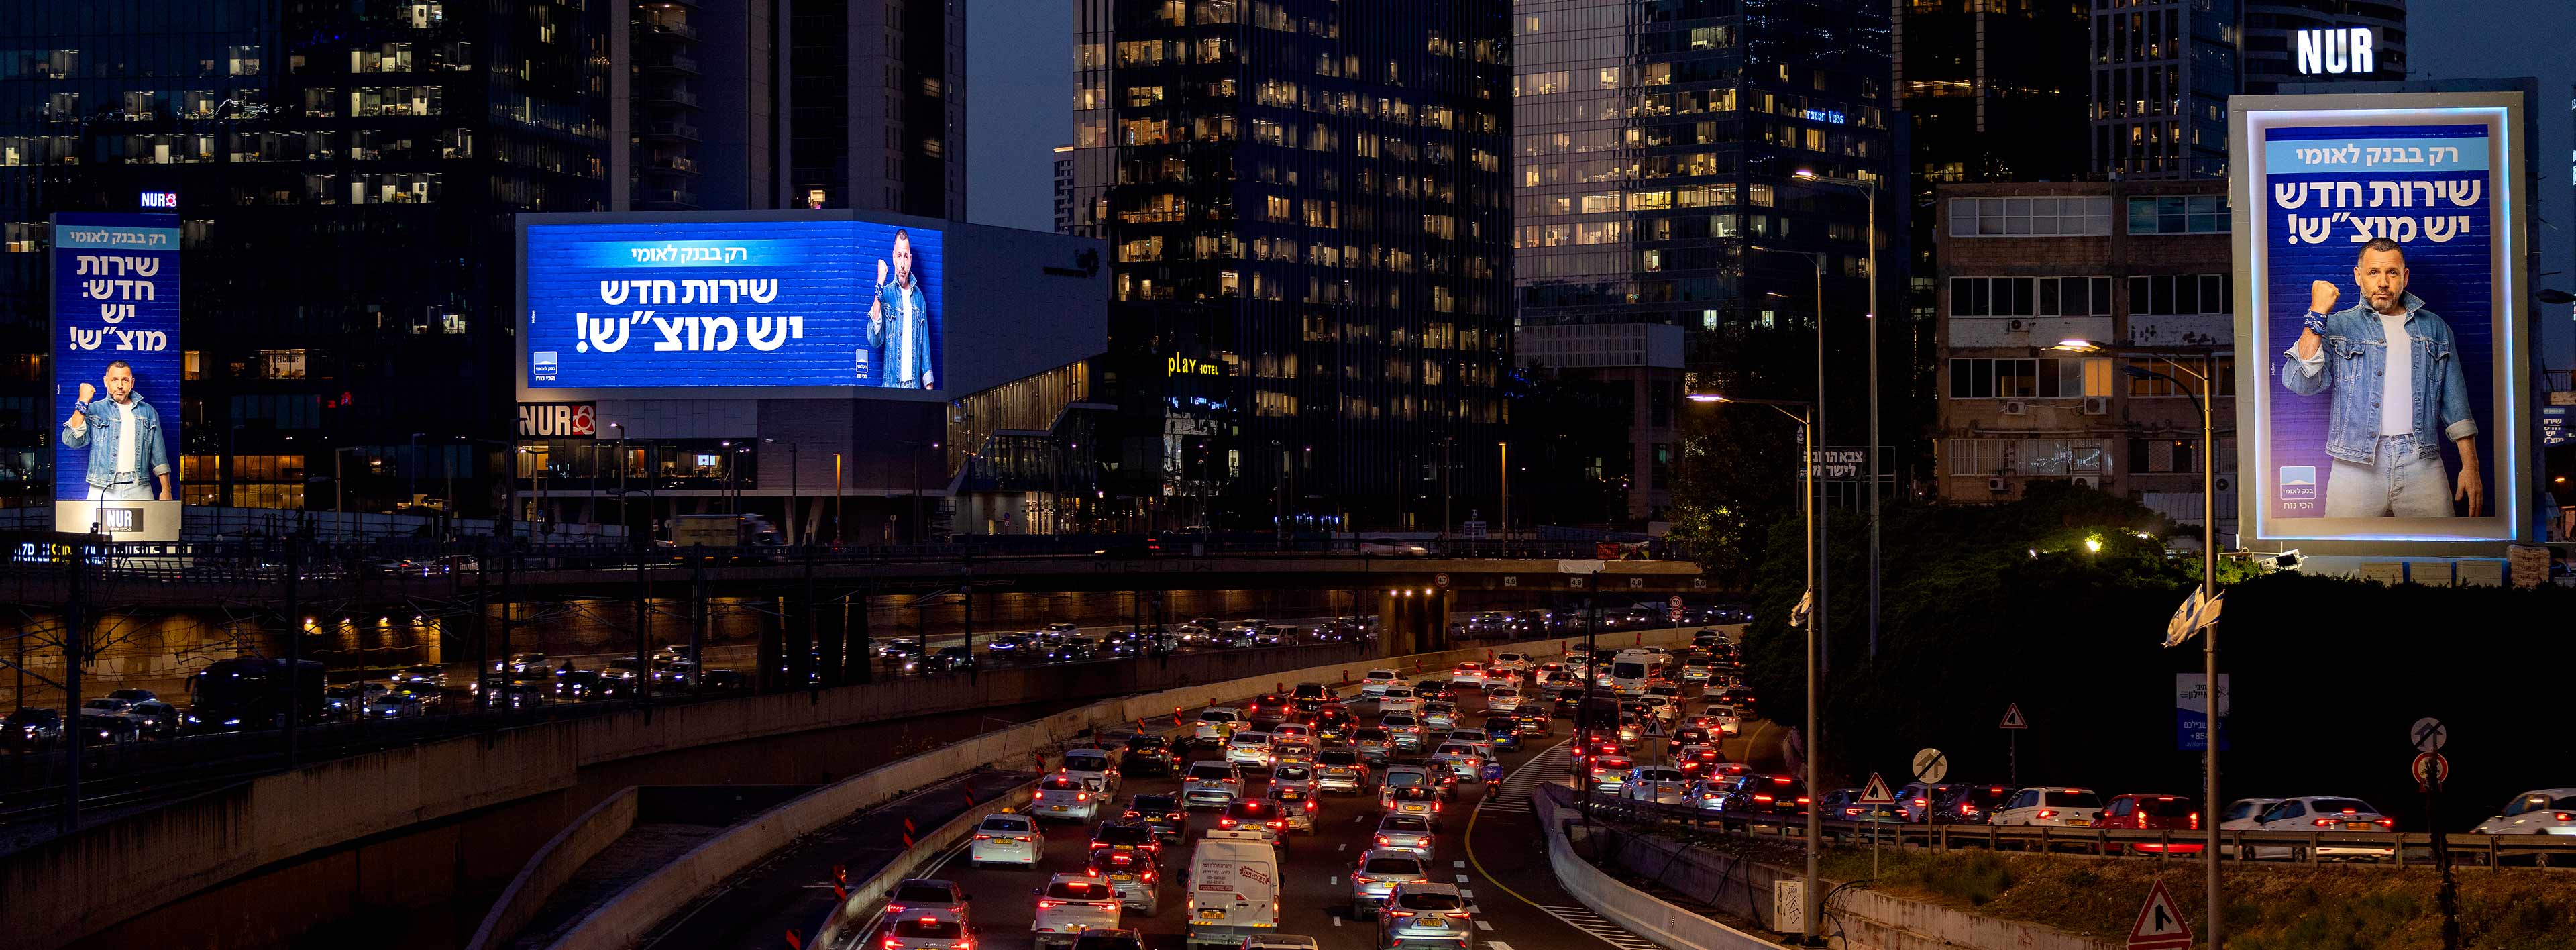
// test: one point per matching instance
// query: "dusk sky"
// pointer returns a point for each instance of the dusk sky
(1020, 105)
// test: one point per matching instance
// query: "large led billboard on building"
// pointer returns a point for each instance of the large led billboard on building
(116, 371)
(722, 304)
(2380, 259)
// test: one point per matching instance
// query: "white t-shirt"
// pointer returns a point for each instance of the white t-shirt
(903, 371)
(125, 437)
(2397, 389)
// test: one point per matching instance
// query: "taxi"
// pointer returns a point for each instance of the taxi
(1007, 839)
(1063, 796)
(1133, 876)
(1296, 805)
(1068, 905)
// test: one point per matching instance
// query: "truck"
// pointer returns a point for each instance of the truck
(1234, 889)
(737, 536)
(252, 693)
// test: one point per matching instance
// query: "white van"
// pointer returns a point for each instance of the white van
(1234, 889)
(1630, 672)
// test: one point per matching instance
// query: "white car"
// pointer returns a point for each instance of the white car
(1460, 759)
(2322, 813)
(2049, 806)
(2547, 811)
(926, 930)
(1214, 721)
(1068, 904)
(1210, 784)
(1007, 839)
(1514, 664)
(1410, 833)
(396, 706)
(1093, 766)
(1403, 731)
(1467, 672)
(1730, 722)
(1300, 775)
(1502, 699)
(1292, 732)
(1395, 699)
(1475, 737)
(1661, 784)
(1377, 681)
(1066, 797)
(1249, 748)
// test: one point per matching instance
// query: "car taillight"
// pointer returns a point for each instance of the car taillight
(1761, 798)
(1131, 813)
(2563, 816)
(1310, 806)
(1172, 816)
(1802, 799)
(892, 943)
(1381, 839)
(1049, 905)
(1460, 914)
(2390, 823)
(1105, 905)
(1225, 822)
(894, 908)
(2048, 813)
(1279, 824)
(2195, 821)
(1919, 802)
(1082, 796)
(1967, 809)
(1391, 912)
(983, 837)
(2327, 822)
(1021, 838)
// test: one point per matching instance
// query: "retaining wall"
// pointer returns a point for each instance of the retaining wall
(1641, 913)
(554, 864)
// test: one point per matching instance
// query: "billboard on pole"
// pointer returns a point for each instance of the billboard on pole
(116, 375)
(2380, 264)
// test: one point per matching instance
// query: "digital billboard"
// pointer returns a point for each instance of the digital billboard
(2380, 257)
(722, 304)
(116, 366)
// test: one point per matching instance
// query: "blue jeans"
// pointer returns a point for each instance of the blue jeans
(2400, 482)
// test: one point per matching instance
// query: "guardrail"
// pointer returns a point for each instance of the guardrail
(1642, 913)
(2403, 848)
(849, 920)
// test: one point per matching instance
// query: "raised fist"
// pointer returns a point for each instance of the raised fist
(2321, 296)
(88, 392)
(881, 273)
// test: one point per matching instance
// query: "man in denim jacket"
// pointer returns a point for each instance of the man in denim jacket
(127, 457)
(2391, 402)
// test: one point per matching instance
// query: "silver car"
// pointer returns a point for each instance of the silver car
(1404, 833)
(1425, 913)
(1210, 784)
(1378, 872)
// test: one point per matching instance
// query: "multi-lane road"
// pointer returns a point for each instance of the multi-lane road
(1484, 844)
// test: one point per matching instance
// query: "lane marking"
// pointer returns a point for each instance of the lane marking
(1337, 921)
(1342, 847)
(1457, 864)
(1462, 879)
(1463, 892)
(1481, 925)
(1337, 880)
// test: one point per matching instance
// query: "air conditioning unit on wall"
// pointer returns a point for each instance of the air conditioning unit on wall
(2016, 407)
(2088, 481)
(1997, 486)
(2097, 405)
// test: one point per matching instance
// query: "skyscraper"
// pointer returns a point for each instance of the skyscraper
(2162, 72)
(877, 105)
(695, 97)
(1304, 202)
(1655, 144)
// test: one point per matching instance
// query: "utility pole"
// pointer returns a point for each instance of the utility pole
(644, 619)
(295, 651)
(75, 643)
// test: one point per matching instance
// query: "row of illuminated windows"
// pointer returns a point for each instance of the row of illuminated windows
(1605, 202)
(2056, 378)
(236, 60)
(192, 148)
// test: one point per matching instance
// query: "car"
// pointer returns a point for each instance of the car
(1439, 715)
(1399, 776)
(1419, 913)
(1292, 731)
(1759, 793)
(1215, 723)
(1609, 773)
(1064, 796)
(1124, 832)
(104, 706)
(1502, 733)
(924, 932)
(1690, 736)
(1340, 770)
(1249, 748)
(1377, 682)
(1536, 722)
(1917, 798)
(1297, 774)
(1417, 800)
(2543, 811)
(1697, 760)
(1403, 731)
(1509, 663)
(1134, 874)
(132, 696)
(2322, 813)
(1146, 754)
(1103, 938)
(1404, 833)
(1843, 804)
(1468, 673)
(1234, 888)
(1073, 650)
(1502, 699)
(397, 706)
(1697, 669)
(1660, 784)
(1460, 759)
(156, 718)
(1068, 905)
(1970, 804)
(522, 663)
(2151, 813)
(1373, 743)
(1159, 813)
(1434, 688)
(2056, 806)
(1398, 699)
(927, 895)
(31, 726)
(102, 729)
(1292, 753)
(1092, 766)
(1211, 783)
(1260, 815)
(1475, 737)
(1006, 839)
(423, 675)
(1730, 722)
(1392, 547)
(1376, 875)
(1296, 804)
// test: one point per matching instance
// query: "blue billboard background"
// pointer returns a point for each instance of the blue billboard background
(728, 304)
(2326, 191)
(116, 297)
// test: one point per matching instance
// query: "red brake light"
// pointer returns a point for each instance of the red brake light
(2562, 816)
(2195, 816)
(2048, 813)
(892, 943)
(1131, 813)
(2327, 822)
(1049, 905)
(1381, 839)
(1918, 803)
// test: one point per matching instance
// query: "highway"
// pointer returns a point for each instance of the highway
(1484, 845)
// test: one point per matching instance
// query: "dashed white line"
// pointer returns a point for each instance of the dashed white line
(1341, 847)
(1463, 892)
(1337, 879)
(1337, 921)
(1497, 945)
(1462, 879)
(1481, 925)
(1457, 864)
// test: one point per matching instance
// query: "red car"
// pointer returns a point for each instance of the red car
(2152, 813)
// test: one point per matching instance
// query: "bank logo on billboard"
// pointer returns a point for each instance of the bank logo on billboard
(2381, 248)
(734, 304)
(116, 364)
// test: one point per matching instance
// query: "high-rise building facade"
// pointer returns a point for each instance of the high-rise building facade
(1305, 208)
(2162, 72)
(695, 97)
(2298, 41)
(877, 105)
(346, 176)
(1656, 143)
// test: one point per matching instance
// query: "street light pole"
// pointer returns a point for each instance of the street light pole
(1870, 189)
(1823, 583)
(1807, 503)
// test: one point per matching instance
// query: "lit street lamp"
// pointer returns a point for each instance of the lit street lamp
(2208, 379)
(1815, 619)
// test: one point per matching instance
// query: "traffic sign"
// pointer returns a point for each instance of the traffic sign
(2012, 717)
(1876, 793)
(1931, 765)
(2428, 734)
(1655, 729)
(1440, 580)
(2430, 769)
(2160, 923)
(1676, 602)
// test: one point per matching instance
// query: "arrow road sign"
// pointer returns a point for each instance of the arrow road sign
(2430, 770)
(2012, 717)
(2160, 924)
(1931, 765)
(1876, 793)
(2428, 734)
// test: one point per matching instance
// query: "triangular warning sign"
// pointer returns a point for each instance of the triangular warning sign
(2160, 924)
(1876, 793)
(2012, 717)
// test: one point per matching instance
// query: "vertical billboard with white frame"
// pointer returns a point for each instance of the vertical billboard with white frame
(2383, 365)
(116, 369)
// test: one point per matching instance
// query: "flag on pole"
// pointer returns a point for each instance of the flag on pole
(1806, 605)
(2197, 611)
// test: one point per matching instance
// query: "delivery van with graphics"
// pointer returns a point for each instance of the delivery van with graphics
(1234, 889)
